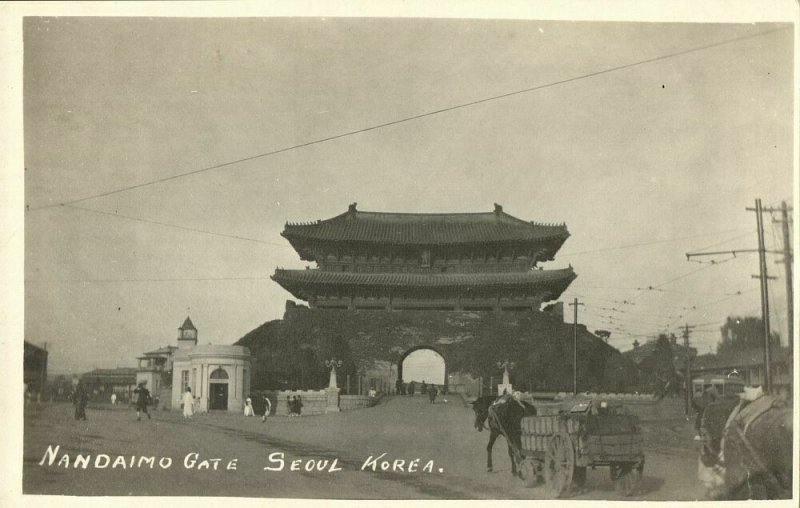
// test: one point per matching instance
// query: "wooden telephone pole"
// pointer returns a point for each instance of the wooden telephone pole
(787, 265)
(688, 377)
(764, 277)
(575, 349)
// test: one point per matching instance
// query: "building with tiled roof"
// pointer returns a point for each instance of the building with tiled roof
(749, 364)
(461, 261)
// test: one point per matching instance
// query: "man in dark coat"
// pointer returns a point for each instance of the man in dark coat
(432, 393)
(412, 387)
(710, 396)
(79, 399)
(142, 401)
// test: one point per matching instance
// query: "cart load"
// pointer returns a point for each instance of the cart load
(561, 447)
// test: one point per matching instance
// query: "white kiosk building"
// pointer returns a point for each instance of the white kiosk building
(218, 375)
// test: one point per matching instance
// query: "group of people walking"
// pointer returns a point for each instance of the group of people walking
(295, 405)
(143, 400)
(410, 389)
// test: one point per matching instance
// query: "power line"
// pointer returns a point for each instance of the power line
(175, 226)
(726, 241)
(411, 118)
(655, 242)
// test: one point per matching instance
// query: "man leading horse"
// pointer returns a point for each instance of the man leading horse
(502, 416)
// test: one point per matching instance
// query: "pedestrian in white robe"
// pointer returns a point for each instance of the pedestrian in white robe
(188, 403)
(248, 407)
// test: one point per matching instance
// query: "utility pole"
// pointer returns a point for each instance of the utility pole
(764, 278)
(787, 262)
(762, 263)
(575, 349)
(688, 377)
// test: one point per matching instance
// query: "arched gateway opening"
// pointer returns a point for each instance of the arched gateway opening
(423, 364)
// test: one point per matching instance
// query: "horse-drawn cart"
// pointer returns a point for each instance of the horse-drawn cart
(560, 448)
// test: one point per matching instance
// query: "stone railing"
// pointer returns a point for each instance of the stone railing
(349, 402)
(314, 401)
(317, 402)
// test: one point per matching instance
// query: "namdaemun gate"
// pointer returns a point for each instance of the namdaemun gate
(450, 261)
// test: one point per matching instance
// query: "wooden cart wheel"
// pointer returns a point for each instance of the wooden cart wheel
(559, 462)
(527, 471)
(629, 477)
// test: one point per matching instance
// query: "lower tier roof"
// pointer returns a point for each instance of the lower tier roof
(304, 283)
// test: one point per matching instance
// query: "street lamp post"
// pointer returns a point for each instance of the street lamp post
(332, 392)
(332, 364)
(506, 387)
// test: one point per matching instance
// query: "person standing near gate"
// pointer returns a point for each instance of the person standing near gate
(142, 401)
(412, 387)
(268, 408)
(80, 398)
(432, 393)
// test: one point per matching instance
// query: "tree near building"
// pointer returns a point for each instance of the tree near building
(743, 333)
(659, 368)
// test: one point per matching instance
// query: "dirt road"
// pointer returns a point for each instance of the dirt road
(405, 448)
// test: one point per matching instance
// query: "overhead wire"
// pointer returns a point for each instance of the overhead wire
(175, 226)
(409, 119)
(654, 242)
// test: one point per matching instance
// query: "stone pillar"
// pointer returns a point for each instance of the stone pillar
(333, 400)
(506, 385)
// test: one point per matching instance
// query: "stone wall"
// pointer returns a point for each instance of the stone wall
(350, 402)
(314, 402)
(290, 353)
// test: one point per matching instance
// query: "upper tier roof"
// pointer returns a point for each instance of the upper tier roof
(425, 228)
(305, 283)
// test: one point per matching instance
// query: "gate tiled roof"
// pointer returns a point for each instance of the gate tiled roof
(425, 229)
(291, 279)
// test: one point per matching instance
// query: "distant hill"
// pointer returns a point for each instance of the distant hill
(291, 352)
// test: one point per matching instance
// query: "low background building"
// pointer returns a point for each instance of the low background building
(101, 383)
(155, 368)
(34, 368)
(749, 363)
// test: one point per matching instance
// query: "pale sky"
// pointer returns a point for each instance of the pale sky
(668, 151)
(424, 365)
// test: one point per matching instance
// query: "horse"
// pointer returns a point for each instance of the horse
(505, 418)
(747, 458)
